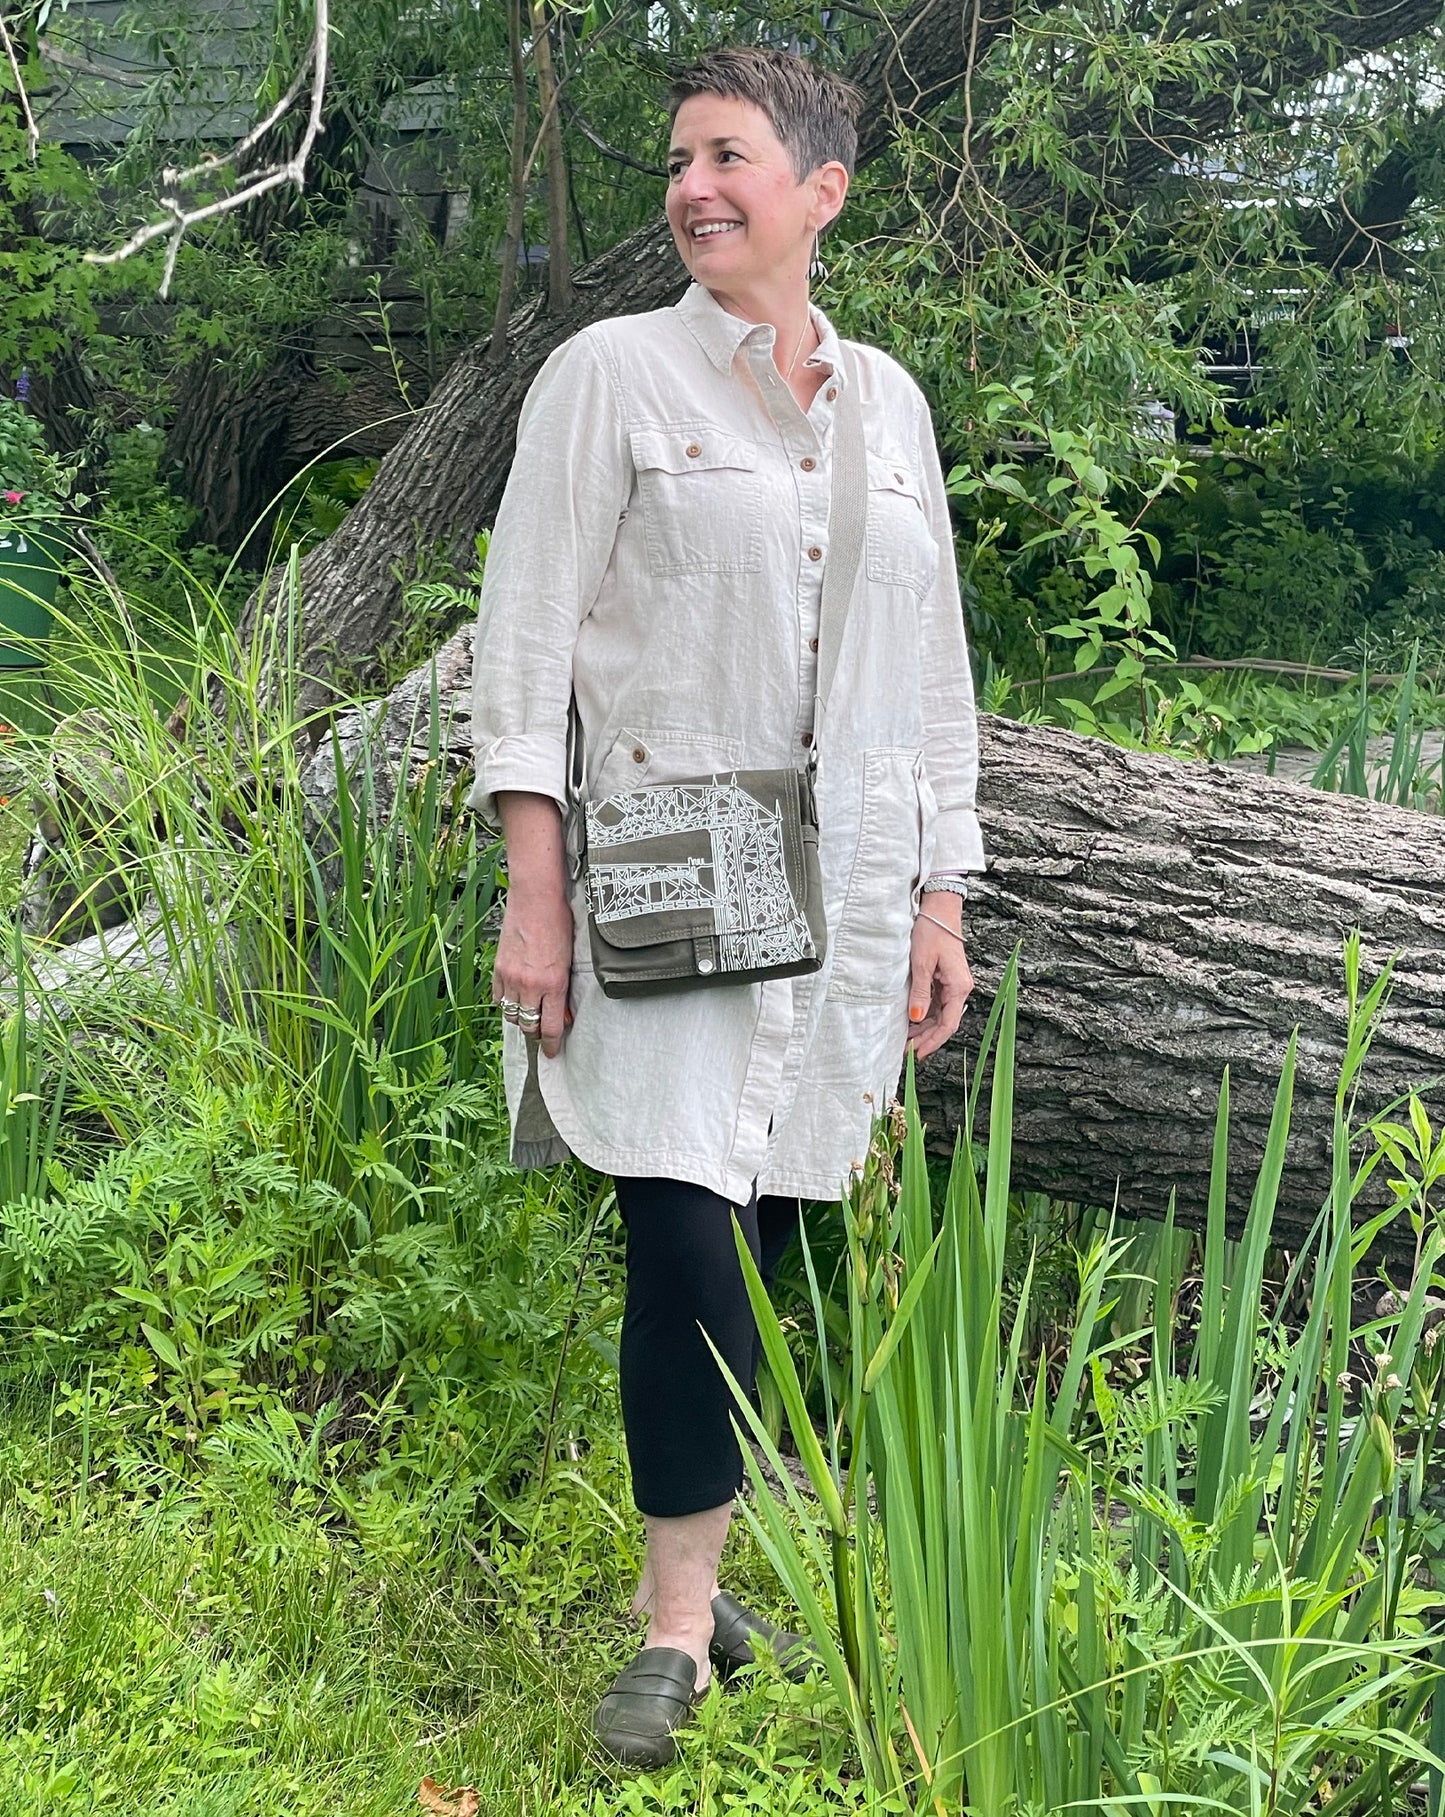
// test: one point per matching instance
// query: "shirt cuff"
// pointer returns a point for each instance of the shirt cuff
(957, 841)
(533, 763)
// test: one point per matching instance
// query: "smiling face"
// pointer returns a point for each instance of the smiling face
(740, 218)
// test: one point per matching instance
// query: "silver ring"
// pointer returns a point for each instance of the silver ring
(510, 1010)
(529, 1018)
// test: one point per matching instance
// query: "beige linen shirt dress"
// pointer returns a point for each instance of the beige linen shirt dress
(660, 550)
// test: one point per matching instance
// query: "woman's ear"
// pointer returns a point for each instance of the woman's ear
(830, 189)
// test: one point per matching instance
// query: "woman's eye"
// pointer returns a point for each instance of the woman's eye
(675, 170)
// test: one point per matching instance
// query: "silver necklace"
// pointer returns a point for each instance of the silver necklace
(807, 324)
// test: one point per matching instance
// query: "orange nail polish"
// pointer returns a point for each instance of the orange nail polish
(914, 1013)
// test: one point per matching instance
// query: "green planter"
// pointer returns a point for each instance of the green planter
(29, 571)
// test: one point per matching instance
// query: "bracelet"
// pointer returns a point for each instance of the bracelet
(923, 915)
(944, 883)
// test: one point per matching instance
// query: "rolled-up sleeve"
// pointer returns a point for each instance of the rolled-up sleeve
(950, 722)
(549, 551)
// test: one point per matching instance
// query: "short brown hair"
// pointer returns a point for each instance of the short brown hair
(813, 112)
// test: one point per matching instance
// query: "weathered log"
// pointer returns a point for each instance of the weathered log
(1176, 919)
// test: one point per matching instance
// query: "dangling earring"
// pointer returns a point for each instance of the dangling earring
(817, 270)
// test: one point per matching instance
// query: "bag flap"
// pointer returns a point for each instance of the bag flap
(657, 928)
(671, 853)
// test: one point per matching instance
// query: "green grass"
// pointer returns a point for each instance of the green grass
(175, 1651)
(1201, 1583)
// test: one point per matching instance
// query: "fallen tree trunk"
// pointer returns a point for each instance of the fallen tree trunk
(1176, 919)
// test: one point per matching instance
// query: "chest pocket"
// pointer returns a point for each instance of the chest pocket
(701, 499)
(901, 549)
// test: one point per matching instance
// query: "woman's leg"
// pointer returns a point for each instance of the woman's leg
(683, 1279)
(778, 1221)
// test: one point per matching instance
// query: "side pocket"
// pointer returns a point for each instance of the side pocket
(660, 755)
(870, 951)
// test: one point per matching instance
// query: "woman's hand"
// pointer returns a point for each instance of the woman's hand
(939, 978)
(534, 951)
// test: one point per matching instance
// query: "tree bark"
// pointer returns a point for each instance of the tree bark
(1176, 919)
(227, 441)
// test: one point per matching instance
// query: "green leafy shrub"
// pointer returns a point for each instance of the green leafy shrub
(271, 1161)
(147, 531)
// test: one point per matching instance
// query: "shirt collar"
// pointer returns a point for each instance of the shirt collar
(720, 334)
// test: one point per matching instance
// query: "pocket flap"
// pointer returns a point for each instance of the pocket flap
(694, 450)
(887, 474)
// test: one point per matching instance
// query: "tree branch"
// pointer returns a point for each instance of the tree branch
(611, 151)
(32, 131)
(180, 219)
(517, 194)
(87, 66)
(1362, 229)
(559, 264)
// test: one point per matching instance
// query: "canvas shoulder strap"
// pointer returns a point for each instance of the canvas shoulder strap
(847, 527)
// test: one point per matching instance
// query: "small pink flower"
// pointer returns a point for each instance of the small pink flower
(13, 498)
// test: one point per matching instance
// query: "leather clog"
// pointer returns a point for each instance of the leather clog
(738, 1636)
(645, 1704)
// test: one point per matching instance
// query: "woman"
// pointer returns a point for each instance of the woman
(659, 558)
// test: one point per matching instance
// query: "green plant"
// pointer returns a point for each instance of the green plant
(147, 533)
(1116, 622)
(34, 483)
(1032, 1590)
(32, 1095)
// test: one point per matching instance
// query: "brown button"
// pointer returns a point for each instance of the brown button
(813, 645)
(807, 739)
(639, 755)
(832, 392)
(899, 480)
(815, 554)
(807, 463)
(693, 451)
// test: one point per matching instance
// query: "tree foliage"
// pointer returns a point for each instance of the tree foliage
(1228, 212)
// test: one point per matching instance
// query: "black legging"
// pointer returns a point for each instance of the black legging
(682, 1274)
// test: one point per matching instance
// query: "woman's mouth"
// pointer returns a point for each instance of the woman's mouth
(712, 230)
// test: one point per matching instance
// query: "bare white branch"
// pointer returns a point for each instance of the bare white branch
(216, 160)
(178, 219)
(32, 131)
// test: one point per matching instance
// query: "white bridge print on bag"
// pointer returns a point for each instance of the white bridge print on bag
(729, 860)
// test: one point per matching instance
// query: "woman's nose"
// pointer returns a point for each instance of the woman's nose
(695, 184)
